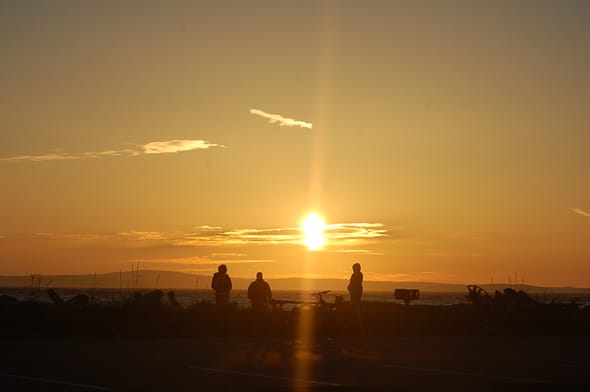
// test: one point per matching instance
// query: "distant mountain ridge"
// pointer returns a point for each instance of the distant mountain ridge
(148, 279)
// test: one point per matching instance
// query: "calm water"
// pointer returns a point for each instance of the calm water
(190, 297)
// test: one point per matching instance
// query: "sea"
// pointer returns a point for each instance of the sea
(189, 297)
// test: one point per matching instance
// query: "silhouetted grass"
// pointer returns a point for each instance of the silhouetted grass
(141, 319)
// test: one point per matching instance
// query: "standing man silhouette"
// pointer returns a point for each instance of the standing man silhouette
(221, 283)
(259, 294)
(355, 286)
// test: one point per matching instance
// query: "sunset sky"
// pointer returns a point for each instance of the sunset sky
(444, 141)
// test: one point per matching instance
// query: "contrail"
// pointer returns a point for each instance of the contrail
(581, 212)
(282, 121)
(162, 147)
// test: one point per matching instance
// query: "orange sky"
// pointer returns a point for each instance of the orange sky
(441, 141)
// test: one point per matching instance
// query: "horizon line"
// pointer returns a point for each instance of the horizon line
(240, 277)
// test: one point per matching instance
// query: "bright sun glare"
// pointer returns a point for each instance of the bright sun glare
(313, 227)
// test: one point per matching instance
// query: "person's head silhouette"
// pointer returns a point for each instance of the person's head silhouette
(222, 268)
(356, 267)
(259, 275)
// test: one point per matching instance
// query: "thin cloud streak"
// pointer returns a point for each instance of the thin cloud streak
(226, 255)
(455, 255)
(62, 156)
(172, 146)
(581, 212)
(352, 231)
(162, 147)
(196, 260)
(341, 237)
(336, 234)
(280, 120)
(356, 251)
(142, 235)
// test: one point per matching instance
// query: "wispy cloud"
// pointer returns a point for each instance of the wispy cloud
(82, 238)
(336, 235)
(227, 255)
(172, 146)
(142, 235)
(207, 235)
(355, 231)
(339, 237)
(62, 156)
(581, 212)
(356, 251)
(158, 147)
(282, 121)
(205, 260)
(455, 255)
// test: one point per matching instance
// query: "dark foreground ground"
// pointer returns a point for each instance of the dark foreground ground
(475, 363)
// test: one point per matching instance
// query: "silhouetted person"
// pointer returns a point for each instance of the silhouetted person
(259, 294)
(355, 286)
(221, 283)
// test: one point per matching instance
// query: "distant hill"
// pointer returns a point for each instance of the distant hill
(178, 280)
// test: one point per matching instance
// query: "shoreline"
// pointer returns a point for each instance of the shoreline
(28, 319)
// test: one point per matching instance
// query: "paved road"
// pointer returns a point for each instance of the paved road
(347, 364)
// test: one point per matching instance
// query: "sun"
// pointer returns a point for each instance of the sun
(313, 227)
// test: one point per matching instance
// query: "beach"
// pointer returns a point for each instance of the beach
(346, 364)
(383, 346)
